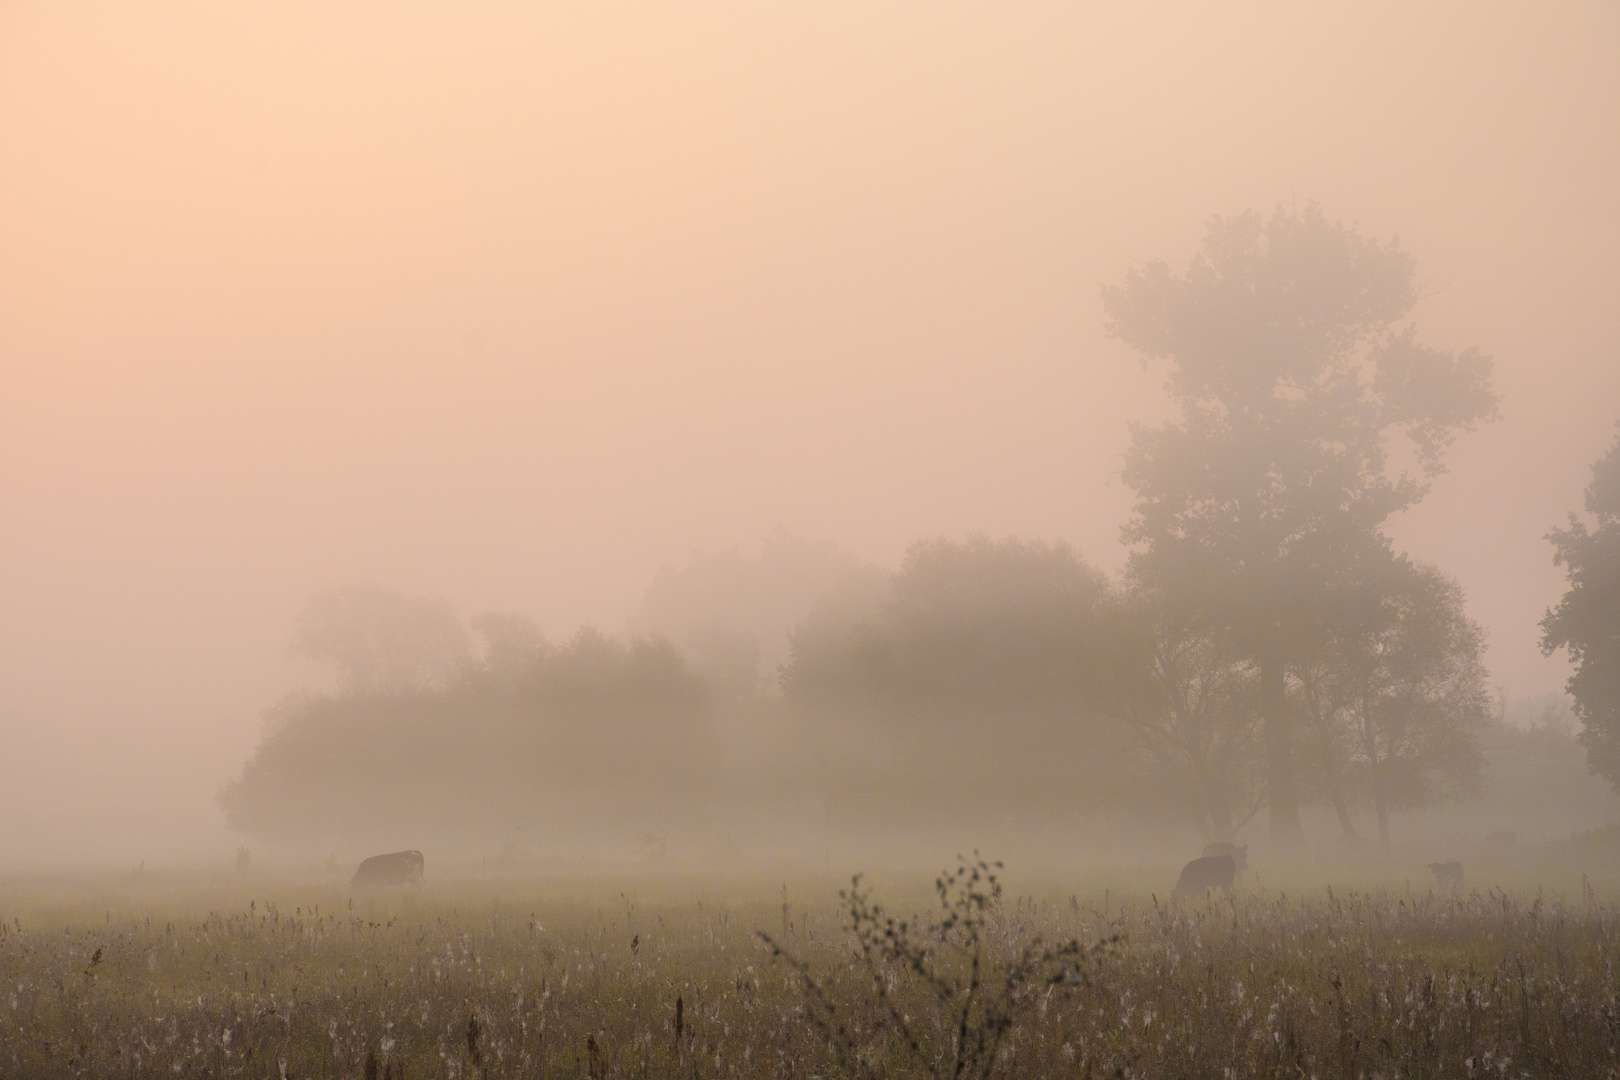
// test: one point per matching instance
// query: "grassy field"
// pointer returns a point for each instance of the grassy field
(638, 977)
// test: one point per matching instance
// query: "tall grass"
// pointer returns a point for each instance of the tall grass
(500, 983)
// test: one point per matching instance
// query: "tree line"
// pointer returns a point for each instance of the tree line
(1265, 646)
(589, 734)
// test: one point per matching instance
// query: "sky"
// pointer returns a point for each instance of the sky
(515, 303)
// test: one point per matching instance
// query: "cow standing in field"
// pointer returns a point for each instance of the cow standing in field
(1240, 855)
(1210, 872)
(398, 868)
(1449, 875)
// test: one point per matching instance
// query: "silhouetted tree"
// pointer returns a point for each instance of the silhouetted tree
(1402, 694)
(1188, 700)
(379, 641)
(592, 736)
(1587, 619)
(985, 627)
(731, 614)
(1325, 698)
(1291, 364)
(998, 627)
(512, 642)
(984, 665)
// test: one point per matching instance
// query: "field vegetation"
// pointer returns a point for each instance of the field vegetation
(712, 978)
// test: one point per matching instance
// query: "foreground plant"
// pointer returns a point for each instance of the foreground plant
(942, 993)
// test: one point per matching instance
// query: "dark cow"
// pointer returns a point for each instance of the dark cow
(400, 868)
(1210, 872)
(1448, 874)
(1240, 855)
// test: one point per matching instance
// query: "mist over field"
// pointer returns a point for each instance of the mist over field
(655, 439)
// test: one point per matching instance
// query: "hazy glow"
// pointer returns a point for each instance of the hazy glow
(513, 304)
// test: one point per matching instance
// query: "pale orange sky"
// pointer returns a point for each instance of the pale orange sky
(513, 303)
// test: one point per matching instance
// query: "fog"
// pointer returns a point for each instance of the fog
(548, 310)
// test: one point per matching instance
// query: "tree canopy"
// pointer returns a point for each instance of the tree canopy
(1587, 619)
(376, 641)
(593, 733)
(997, 629)
(983, 667)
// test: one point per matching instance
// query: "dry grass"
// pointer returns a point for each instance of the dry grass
(524, 980)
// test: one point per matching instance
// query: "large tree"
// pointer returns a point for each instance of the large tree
(1291, 360)
(1587, 620)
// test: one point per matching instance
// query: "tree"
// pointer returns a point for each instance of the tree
(512, 642)
(732, 614)
(994, 628)
(1291, 364)
(1587, 619)
(379, 641)
(1325, 697)
(978, 677)
(1187, 700)
(984, 631)
(593, 737)
(1413, 689)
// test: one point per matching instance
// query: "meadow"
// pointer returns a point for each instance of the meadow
(643, 976)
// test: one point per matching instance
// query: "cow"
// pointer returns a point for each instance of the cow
(399, 868)
(1449, 875)
(1209, 872)
(1240, 855)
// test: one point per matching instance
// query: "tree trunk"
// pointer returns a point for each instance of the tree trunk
(1322, 728)
(1369, 742)
(1382, 807)
(1340, 807)
(1281, 795)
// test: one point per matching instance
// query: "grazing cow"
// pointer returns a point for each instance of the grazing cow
(1210, 872)
(1240, 855)
(1448, 874)
(399, 868)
